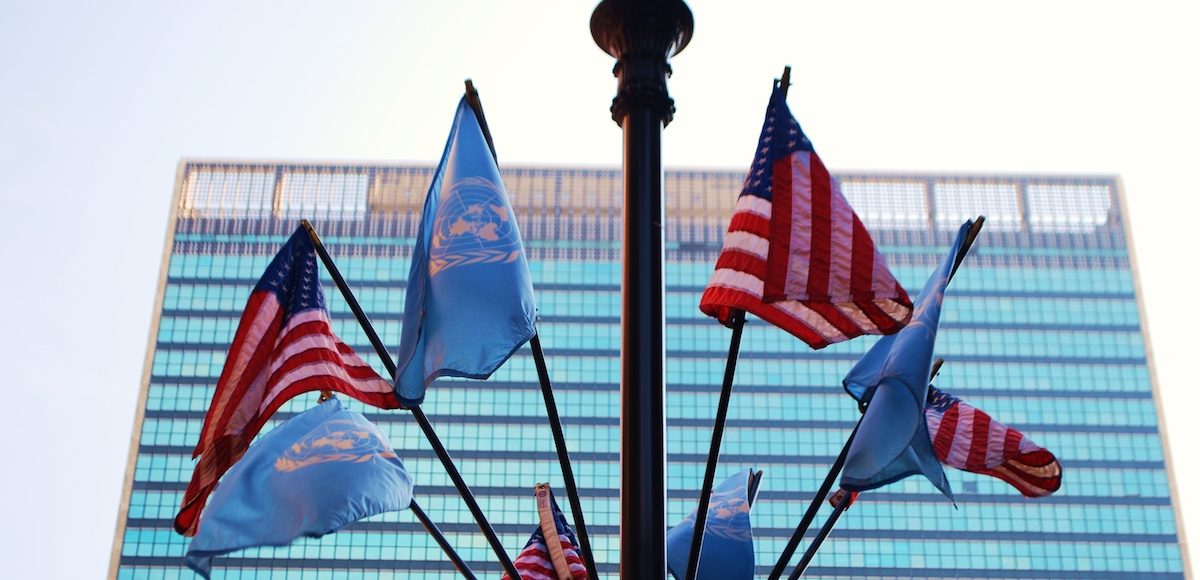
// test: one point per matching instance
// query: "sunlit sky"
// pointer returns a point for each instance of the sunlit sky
(100, 100)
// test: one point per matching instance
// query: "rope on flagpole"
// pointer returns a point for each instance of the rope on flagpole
(447, 462)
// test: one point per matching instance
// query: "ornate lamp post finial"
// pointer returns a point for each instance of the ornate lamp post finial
(641, 35)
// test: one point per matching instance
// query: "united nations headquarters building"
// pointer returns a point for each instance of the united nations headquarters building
(1042, 327)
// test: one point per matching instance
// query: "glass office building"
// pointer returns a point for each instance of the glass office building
(1041, 327)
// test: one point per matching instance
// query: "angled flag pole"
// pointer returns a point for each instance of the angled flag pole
(822, 493)
(417, 413)
(738, 322)
(441, 540)
(811, 552)
(539, 358)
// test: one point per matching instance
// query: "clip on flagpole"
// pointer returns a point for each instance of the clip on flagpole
(447, 462)
(539, 358)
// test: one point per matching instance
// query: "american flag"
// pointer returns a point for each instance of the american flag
(552, 552)
(796, 255)
(967, 438)
(283, 347)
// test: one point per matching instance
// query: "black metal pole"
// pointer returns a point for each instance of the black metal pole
(823, 492)
(821, 535)
(640, 34)
(737, 322)
(440, 538)
(564, 458)
(811, 513)
(972, 233)
(447, 462)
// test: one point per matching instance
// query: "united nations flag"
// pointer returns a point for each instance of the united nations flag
(469, 303)
(893, 377)
(315, 474)
(728, 549)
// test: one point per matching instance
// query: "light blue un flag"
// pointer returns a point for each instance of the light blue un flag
(728, 549)
(469, 304)
(316, 473)
(893, 378)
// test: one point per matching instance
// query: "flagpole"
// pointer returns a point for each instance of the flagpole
(813, 506)
(418, 414)
(564, 459)
(539, 358)
(737, 321)
(821, 535)
(823, 491)
(441, 540)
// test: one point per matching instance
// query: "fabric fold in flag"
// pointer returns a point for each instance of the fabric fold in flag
(284, 346)
(967, 438)
(796, 254)
(312, 475)
(727, 552)
(552, 552)
(893, 379)
(469, 303)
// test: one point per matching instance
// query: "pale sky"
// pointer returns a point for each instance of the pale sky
(100, 100)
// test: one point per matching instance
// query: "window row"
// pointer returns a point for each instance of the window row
(379, 301)
(1008, 375)
(750, 404)
(680, 273)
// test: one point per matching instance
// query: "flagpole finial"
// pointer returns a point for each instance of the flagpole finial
(641, 35)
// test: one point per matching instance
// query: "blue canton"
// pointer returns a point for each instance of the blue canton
(292, 276)
(939, 400)
(781, 136)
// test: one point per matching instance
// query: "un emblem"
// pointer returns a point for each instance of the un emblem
(473, 226)
(337, 440)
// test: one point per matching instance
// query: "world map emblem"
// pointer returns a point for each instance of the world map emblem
(337, 440)
(473, 225)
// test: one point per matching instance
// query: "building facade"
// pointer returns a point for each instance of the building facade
(1041, 327)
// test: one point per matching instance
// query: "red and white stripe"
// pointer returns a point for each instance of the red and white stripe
(804, 262)
(969, 439)
(534, 563)
(268, 364)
